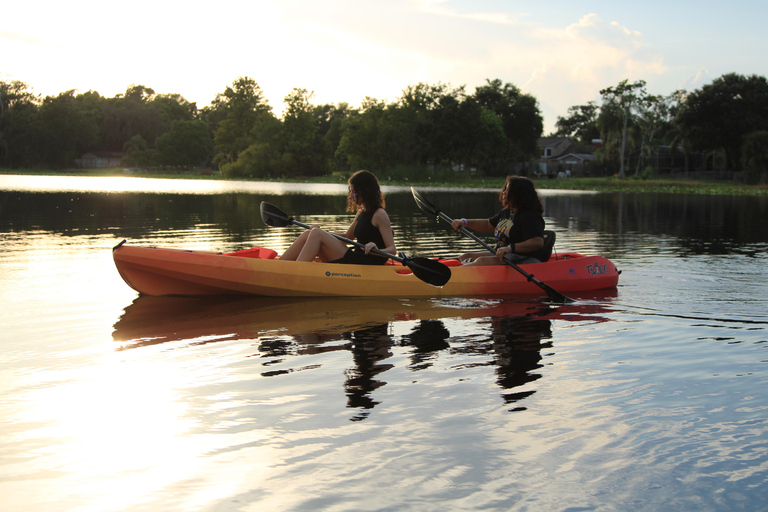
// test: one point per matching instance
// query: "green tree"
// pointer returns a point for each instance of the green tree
(581, 123)
(627, 98)
(377, 136)
(186, 144)
(754, 154)
(262, 159)
(235, 112)
(304, 150)
(423, 105)
(18, 118)
(520, 117)
(68, 126)
(655, 118)
(330, 119)
(720, 115)
(138, 154)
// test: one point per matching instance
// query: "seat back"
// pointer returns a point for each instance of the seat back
(549, 243)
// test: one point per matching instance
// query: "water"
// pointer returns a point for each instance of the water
(649, 397)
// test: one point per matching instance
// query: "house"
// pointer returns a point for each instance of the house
(563, 154)
(99, 160)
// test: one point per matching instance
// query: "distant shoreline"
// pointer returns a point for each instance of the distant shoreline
(604, 184)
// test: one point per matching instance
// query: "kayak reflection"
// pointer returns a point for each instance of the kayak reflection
(509, 336)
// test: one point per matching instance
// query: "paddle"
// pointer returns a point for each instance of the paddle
(430, 271)
(431, 209)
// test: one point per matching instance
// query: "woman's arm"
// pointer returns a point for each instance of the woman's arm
(474, 224)
(381, 220)
(528, 246)
(350, 234)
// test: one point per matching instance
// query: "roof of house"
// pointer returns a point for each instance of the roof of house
(584, 157)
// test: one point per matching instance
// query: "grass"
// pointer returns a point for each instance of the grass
(604, 184)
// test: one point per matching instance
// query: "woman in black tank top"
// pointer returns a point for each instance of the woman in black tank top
(371, 227)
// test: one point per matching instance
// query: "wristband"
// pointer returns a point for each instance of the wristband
(465, 222)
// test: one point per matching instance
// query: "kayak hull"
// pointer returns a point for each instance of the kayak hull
(163, 272)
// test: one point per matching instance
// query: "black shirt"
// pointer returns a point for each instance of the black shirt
(515, 227)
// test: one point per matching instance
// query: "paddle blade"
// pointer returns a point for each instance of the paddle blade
(554, 295)
(274, 216)
(422, 203)
(430, 271)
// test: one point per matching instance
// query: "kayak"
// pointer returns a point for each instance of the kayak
(257, 271)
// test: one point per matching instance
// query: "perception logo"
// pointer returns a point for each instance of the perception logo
(341, 274)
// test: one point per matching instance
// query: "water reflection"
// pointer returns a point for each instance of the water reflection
(517, 344)
(370, 347)
(611, 224)
(427, 338)
(285, 329)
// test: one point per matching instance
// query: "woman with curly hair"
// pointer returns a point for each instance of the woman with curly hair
(518, 227)
(371, 227)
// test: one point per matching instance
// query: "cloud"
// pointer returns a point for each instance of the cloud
(21, 38)
(500, 18)
(700, 78)
(575, 62)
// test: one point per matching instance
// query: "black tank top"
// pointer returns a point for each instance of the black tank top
(366, 232)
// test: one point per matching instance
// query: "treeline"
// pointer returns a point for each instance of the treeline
(430, 128)
(725, 121)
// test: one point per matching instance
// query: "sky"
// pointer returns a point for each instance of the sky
(561, 52)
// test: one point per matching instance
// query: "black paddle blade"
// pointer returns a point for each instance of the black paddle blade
(554, 295)
(274, 216)
(430, 271)
(422, 203)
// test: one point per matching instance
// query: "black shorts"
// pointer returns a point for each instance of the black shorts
(357, 256)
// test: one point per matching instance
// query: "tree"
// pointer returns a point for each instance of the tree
(377, 136)
(628, 98)
(655, 117)
(519, 114)
(18, 113)
(720, 115)
(235, 112)
(754, 154)
(304, 150)
(331, 119)
(581, 123)
(68, 126)
(186, 144)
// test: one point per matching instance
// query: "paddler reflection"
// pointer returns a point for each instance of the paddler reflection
(506, 335)
(517, 345)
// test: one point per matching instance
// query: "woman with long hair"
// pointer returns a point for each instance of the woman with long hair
(518, 227)
(371, 227)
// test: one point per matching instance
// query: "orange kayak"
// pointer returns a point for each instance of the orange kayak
(256, 271)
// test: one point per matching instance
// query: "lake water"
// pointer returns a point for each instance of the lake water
(653, 396)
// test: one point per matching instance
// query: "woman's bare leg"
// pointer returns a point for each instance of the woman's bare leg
(484, 261)
(294, 250)
(473, 255)
(321, 244)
